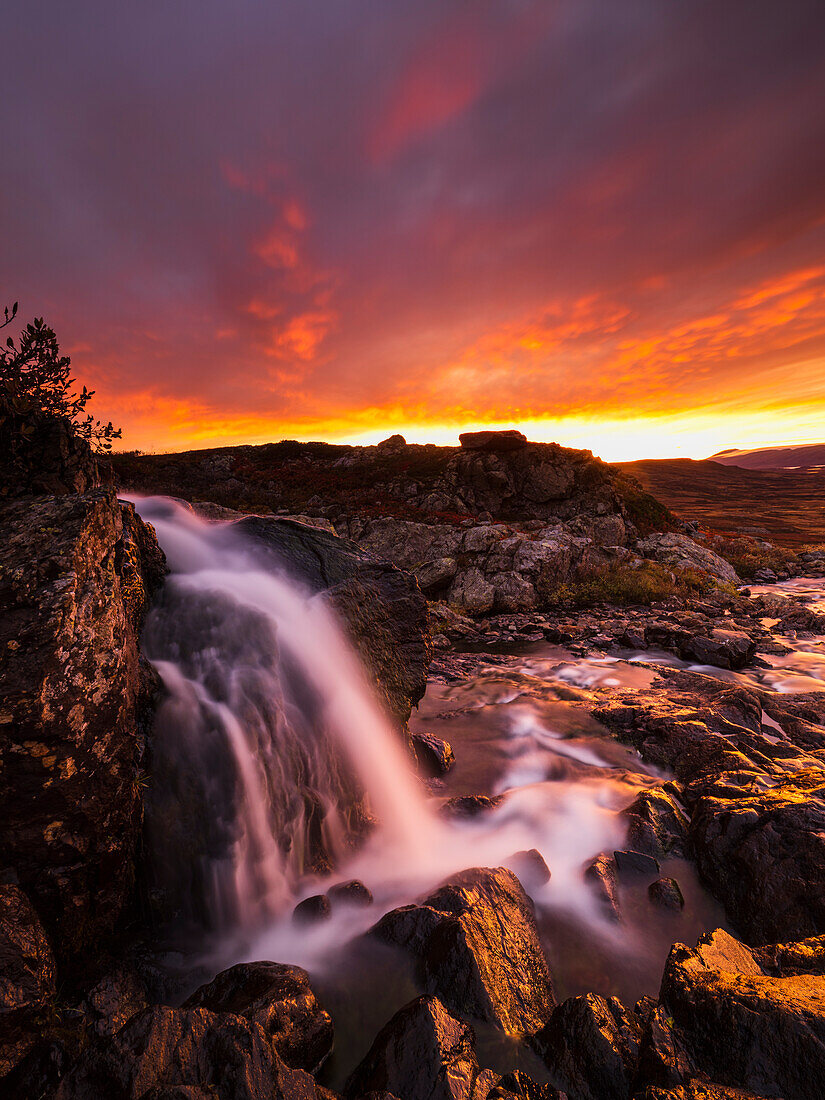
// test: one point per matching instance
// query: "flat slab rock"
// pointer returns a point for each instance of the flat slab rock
(478, 949)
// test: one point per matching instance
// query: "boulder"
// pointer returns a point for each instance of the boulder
(666, 894)
(591, 1047)
(114, 999)
(281, 1000)
(174, 1052)
(312, 909)
(76, 702)
(423, 1053)
(679, 552)
(601, 874)
(471, 592)
(435, 574)
(478, 949)
(509, 439)
(383, 609)
(657, 825)
(353, 893)
(27, 976)
(530, 868)
(741, 1027)
(721, 648)
(434, 755)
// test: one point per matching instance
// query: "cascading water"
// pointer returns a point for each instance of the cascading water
(268, 739)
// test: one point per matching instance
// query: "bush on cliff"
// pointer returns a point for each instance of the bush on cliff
(35, 382)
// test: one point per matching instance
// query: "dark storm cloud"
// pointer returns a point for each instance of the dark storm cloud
(298, 210)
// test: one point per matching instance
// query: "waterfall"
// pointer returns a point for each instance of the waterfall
(270, 754)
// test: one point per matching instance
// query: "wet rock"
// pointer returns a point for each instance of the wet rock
(470, 805)
(171, 1052)
(591, 1047)
(631, 864)
(312, 909)
(281, 1000)
(383, 609)
(518, 1086)
(741, 1027)
(507, 440)
(76, 702)
(423, 1053)
(657, 826)
(27, 976)
(785, 959)
(723, 649)
(353, 892)
(529, 868)
(601, 874)
(478, 949)
(665, 894)
(434, 755)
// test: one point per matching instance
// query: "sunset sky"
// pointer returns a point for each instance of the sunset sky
(600, 220)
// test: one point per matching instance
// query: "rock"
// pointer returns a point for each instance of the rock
(657, 825)
(741, 1027)
(591, 1047)
(173, 1052)
(27, 976)
(478, 949)
(665, 894)
(679, 552)
(353, 892)
(785, 959)
(601, 873)
(383, 609)
(76, 702)
(423, 1053)
(113, 1000)
(518, 1086)
(529, 868)
(434, 755)
(52, 459)
(632, 864)
(723, 649)
(509, 439)
(471, 592)
(435, 574)
(393, 444)
(312, 909)
(281, 1000)
(470, 805)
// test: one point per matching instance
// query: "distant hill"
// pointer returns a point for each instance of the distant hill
(799, 456)
(784, 506)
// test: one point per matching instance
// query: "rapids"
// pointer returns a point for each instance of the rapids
(269, 748)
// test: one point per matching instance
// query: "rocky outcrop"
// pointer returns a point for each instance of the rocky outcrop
(173, 1052)
(75, 702)
(591, 1047)
(281, 1000)
(721, 1017)
(382, 607)
(45, 455)
(478, 950)
(423, 1053)
(507, 440)
(756, 801)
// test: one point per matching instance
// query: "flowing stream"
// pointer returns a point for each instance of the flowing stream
(271, 759)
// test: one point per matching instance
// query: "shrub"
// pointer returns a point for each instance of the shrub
(620, 584)
(748, 556)
(35, 383)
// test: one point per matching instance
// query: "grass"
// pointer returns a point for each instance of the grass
(748, 556)
(619, 584)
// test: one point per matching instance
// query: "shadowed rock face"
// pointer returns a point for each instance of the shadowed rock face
(478, 949)
(423, 1053)
(52, 459)
(280, 999)
(166, 1052)
(75, 704)
(382, 608)
(27, 975)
